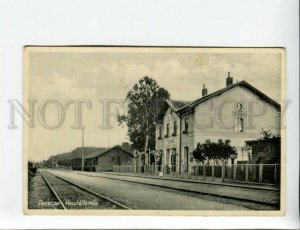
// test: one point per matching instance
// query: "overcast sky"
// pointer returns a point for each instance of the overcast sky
(100, 75)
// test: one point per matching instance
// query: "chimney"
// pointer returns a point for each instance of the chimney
(204, 91)
(125, 145)
(229, 80)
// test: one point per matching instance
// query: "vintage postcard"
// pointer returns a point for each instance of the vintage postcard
(154, 131)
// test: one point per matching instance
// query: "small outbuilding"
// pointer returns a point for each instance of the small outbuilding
(266, 151)
(103, 160)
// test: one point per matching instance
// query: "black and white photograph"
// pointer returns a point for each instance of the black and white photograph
(154, 130)
(149, 114)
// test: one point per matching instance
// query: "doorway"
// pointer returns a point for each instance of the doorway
(173, 160)
(167, 162)
(186, 159)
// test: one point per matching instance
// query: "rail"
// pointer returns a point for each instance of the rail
(53, 192)
(90, 191)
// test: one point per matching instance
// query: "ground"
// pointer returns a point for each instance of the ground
(149, 196)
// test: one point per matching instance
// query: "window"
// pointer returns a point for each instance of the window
(186, 124)
(240, 125)
(173, 160)
(175, 128)
(160, 132)
(186, 159)
(167, 130)
(239, 106)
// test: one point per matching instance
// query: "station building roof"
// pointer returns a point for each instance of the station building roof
(104, 151)
(182, 106)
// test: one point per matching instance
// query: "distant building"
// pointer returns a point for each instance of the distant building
(76, 155)
(236, 112)
(54, 164)
(103, 160)
(76, 163)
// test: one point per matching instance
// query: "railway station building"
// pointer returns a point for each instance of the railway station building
(237, 112)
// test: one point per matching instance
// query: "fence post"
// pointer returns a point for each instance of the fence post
(246, 175)
(234, 172)
(223, 172)
(204, 171)
(213, 172)
(275, 173)
(260, 172)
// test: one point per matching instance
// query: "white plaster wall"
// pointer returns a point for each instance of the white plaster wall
(214, 119)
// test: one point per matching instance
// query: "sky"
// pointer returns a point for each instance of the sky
(100, 74)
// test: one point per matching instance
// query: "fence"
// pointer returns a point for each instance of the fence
(124, 168)
(257, 173)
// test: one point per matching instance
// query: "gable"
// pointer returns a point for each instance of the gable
(221, 113)
(243, 84)
(170, 115)
(226, 103)
(174, 106)
(115, 149)
(244, 96)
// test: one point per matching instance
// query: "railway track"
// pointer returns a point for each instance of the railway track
(273, 205)
(71, 195)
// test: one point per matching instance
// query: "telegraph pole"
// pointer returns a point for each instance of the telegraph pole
(82, 144)
(146, 142)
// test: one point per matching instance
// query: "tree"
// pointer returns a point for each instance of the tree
(209, 150)
(227, 150)
(144, 103)
(199, 153)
